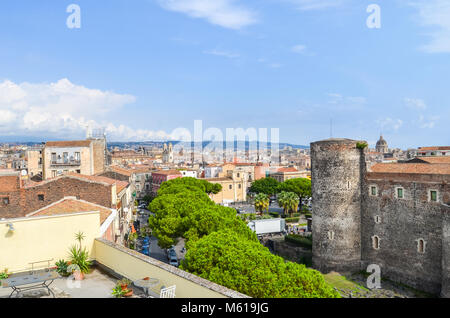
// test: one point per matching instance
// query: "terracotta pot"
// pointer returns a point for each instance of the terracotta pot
(146, 278)
(78, 275)
(129, 294)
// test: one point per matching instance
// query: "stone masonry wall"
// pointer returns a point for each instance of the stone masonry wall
(400, 223)
(336, 205)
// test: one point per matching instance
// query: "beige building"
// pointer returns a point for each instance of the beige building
(234, 187)
(34, 158)
(84, 156)
(284, 174)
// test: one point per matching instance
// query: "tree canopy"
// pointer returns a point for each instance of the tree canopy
(223, 249)
(300, 186)
(267, 186)
(245, 265)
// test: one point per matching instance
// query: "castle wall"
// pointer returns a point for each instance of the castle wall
(445, 289)
(400, 223)
(336, 205)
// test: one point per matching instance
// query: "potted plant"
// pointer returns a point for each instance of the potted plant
(74, 269)
(124, 282)
(61, 267)
(118, 292)
(4, 274)
(79, 256)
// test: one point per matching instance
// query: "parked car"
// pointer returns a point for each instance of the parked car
(174, 261)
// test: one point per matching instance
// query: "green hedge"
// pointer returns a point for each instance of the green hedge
(296, 214)
(292, 220)
(299, 240)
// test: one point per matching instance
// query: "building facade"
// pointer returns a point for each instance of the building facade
(395, 215)
(86, 157)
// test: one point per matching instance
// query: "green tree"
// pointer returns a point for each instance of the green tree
(289, 201)
(267, 186)
(261, 202)
(300, 186)
(231, 260)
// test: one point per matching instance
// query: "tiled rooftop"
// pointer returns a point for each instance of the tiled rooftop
(72, 205)
(73, 143)
(417, 168)
(9, 183)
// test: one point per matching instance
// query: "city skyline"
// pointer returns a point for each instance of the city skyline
(141, 71)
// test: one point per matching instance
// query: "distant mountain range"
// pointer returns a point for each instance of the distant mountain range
(241, 145)
(29, 141)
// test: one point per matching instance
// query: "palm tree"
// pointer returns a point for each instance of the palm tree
(79, 237)
(261, 202)
(289, 201)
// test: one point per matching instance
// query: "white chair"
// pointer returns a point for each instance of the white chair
(168, 292)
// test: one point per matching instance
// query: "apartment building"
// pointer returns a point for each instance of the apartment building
(86, 157)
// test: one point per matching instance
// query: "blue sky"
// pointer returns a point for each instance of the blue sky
(145, 67)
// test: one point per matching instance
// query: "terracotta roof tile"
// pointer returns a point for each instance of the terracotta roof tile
(443, 159)
(167, 172)
(417, 168)
(69, 205)
(9, 183)
(73, 143)
(434, 148)
(290, 169)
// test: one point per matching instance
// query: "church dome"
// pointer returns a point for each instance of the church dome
(381, 142)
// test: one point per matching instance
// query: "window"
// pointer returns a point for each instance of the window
(53, 156)
(433, 196)
(40, 197)
(239, 186)
(78, 171)
(230, 186)
(5, 201)
(421, 246)
(238, 175)
(375, 242)
(377, 219)
(330, 235)
(66, 157)
(373, 190)
(53, 173)
(399, 193)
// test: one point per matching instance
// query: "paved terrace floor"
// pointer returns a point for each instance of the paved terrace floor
(97, 284)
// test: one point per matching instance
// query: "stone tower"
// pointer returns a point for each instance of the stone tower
(337, 167)
(168, 153)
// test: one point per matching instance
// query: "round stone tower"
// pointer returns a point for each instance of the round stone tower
(337, 167)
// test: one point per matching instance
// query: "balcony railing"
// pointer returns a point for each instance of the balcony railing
(63, 162)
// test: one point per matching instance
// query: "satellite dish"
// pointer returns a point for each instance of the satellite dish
(24, 173)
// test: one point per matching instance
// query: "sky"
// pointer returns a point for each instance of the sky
(142, 68)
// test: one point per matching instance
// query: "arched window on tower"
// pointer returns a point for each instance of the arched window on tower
(421, 246)
(375, 242)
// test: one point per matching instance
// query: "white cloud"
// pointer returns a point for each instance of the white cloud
(62, 109)
(300, 49)
(428, 122)
(225, 13)
(390, 124)
(227, 54)
(307, 5)
(346, 102)
(436, 15)
(415, 103)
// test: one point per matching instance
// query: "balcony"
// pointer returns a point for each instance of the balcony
(62, 162)
(44, 240)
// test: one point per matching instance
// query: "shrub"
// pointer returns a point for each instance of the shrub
(299, 240)
(361, 145)
(292, 220)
